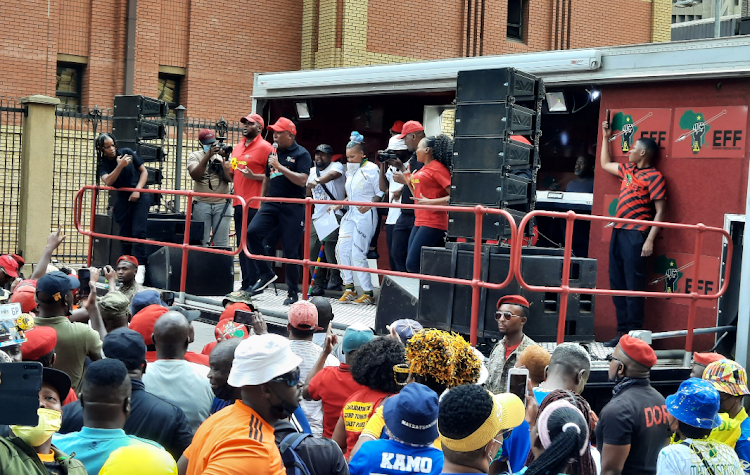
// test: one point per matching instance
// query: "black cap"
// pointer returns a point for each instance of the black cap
(56, 285)
(127, 346)
(325, 148)
(59, 380)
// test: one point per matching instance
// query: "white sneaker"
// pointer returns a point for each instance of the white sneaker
(140, 276)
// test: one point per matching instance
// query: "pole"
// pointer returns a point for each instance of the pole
(717, 18)
(476, 275)
(179, 113)
(743, 311)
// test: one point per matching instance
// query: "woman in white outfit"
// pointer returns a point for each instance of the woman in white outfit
(358, 224)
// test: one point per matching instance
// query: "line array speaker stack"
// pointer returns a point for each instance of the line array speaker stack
(138, 123)
(496, 110)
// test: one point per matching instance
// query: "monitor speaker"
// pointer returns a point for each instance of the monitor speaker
(207, 274)
(399, 298)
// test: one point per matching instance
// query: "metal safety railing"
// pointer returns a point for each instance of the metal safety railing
(476, 283)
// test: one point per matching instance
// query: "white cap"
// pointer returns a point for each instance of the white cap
(261, 358)
(395, 143)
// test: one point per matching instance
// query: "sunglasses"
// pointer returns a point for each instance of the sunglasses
(611, 358)
(504, 315)
(291, 378)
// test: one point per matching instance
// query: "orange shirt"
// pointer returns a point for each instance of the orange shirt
(255, 157)
(430, 182)
(234, 441)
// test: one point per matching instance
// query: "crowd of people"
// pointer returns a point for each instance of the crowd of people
(121, 394)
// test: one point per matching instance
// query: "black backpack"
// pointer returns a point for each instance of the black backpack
(292, 461)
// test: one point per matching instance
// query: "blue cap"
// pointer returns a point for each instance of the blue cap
(405, 328)
(143, 299)
(412, 415)
(57, 284)
(355, 336)
(696, 403)
(125, 345)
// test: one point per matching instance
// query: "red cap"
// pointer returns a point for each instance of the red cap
(143, 322)
(520, 138)
(410, 127)
(513, 300)
(228, 312)
(130, 259)
(40, 341)
(283, 124)
(25, 283)
(707, 358)
(25, 296)
(638, 350)
(9, 265)
(397, 126)
(303, 315)
(254, 118)
(229, 329)
(19, 259)
(207, 136)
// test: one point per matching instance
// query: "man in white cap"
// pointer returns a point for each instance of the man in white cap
(240, 438)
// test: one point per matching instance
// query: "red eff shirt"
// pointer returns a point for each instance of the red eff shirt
(430, 182)
(639, 188)
(255, 157)
(333, 385)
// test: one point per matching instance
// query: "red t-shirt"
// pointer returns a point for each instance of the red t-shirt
(254, 157)
(71, 397)
(189, 356)
(209, 348)
(510, 349)
(333, 385)
(357, 410)
(430, 182)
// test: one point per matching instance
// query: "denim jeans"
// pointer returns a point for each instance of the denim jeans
(211, 216)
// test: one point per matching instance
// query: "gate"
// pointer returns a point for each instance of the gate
(11, 127)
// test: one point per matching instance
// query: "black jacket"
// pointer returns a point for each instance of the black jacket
(321, 456)
(150, 418)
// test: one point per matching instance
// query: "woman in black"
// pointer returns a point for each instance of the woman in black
(123, 168)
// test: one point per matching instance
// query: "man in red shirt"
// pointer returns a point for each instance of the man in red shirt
(643, 196)
(251, 157)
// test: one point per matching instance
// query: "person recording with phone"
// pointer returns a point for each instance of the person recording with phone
(123, 168)
(211, 171)
(511, 315)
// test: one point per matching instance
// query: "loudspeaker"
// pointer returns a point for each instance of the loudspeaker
(447, 306)
(490, 153)
(140, 106)
(106, 251)
(130, 129)
(154, 176)
(494, 226)
(148, 153)
(207, 274)
(495, 85)
(495, 120)
(489, 188)
(399, 298)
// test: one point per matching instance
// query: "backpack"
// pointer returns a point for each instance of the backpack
(292, 461)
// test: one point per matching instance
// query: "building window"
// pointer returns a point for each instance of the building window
(68, 88)
(169, 90)
(515, 19)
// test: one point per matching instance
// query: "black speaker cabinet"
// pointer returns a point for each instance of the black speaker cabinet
(131, 129)
(494, 226)
(140, 106)
(448, 306)
(490, 153)
(147, 152)
(399, 298)
(106, 251)
(496, 120)
(496, 85)
(207, 274)
(489, 188)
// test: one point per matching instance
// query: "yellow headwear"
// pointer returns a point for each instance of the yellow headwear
(507, 412)
(447, 357)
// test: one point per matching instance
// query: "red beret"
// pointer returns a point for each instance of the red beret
(228, 329)
(143, 322)
(25, 296)
(513, 300)
(707, 358)
(228, 312)
(638, 350)
(40, 341)
(127, 258)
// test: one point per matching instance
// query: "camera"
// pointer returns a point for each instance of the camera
(385, 155)
(224, 149)
(216, 167)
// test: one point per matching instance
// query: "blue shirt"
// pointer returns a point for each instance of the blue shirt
(516, 447)
(742, 447)
(93, 446)
(390, 457)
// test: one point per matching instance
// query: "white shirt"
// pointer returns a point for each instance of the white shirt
(310, 352)
(337, 187)
(393, 213)
(184, 384)
(679, 459)
(363, 183)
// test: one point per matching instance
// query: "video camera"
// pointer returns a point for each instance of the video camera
(386, 155)
(215, 166)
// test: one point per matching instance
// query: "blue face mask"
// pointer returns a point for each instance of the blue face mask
(206, 148)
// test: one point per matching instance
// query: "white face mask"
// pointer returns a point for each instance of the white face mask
(352, 167)
(50, 422)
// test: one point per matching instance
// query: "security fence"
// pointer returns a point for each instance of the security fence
(11, 126)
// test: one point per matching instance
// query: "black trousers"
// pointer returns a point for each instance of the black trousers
(290, 221)
(400, 241)
(627, 271)
(247, 265)
(132, 217)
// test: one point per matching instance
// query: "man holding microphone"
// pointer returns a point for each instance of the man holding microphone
(286, 177)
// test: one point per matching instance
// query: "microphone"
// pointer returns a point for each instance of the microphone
(275, 147)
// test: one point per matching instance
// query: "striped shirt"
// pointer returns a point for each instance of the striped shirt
(639, 188)
(310, 352)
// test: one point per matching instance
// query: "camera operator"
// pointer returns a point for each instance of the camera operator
(211, 171)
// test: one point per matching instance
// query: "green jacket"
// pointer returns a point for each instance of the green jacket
(19, 458)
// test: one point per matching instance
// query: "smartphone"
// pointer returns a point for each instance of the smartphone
(84, 277)
(606, 117)
(518, 379)
(20, 384)
(243, 316)
(168, 298)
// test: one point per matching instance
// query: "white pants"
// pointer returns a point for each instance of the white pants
(355, 234)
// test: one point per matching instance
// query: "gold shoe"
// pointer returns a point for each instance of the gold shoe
(366, 299)
(348, 297)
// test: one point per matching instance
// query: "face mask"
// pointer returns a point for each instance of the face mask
(225, 392)
(206, 148)
(49, 423)
(352, 167)
(285, 409)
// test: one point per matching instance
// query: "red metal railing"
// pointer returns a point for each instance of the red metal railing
(514, 270)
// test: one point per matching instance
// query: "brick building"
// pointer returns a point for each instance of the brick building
(203, 54)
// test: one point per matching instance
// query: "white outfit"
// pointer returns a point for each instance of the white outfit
(394, 187)
(337, 188)
(357, 229)
(310, 352)
(679, 459)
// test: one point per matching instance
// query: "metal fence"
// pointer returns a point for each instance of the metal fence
(75, 166)
(11, 127)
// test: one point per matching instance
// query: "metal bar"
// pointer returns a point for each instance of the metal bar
(697, 331)
(179, 112)
(717, 18)
(694, 294)
(185, 245)
(565, 286)
(306, 249)
(91, 227)
(476, 274)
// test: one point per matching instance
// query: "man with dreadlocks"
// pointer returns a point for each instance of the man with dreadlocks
(431, 185)
(123, 168)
